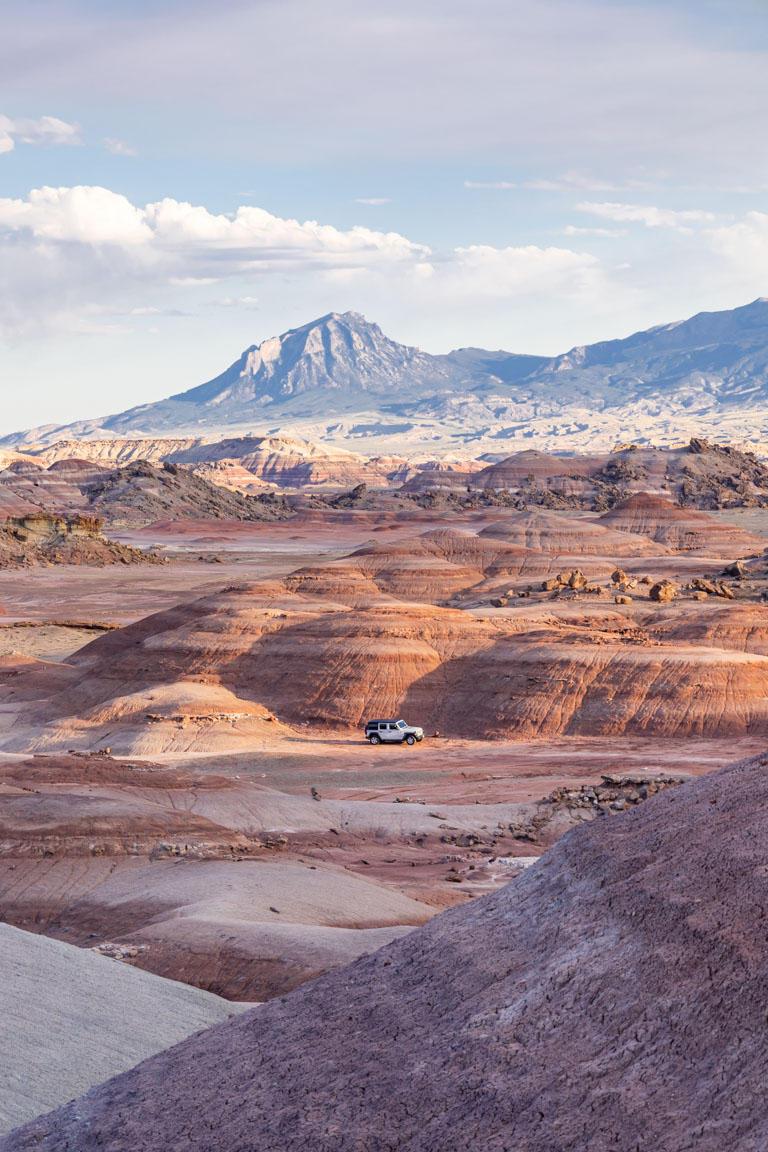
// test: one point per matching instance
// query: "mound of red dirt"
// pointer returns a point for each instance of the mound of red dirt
(548, 531)
(435, 566)
(611, 998)
(681, 529)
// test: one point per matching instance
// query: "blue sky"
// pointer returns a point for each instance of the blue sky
(180, 181)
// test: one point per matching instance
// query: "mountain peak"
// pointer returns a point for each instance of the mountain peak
(344, 319)
(341, 351)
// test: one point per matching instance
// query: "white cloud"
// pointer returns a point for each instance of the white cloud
(84, 214)
(373, 201)
(182, 233)
(648, 215)
(45, 130)
(118, 147)
(495, 185)
(70, 251)
(581, 180)
(480, 270)
(574, 230)
(743, 247)
(146, 310)
(568, 181)
(192, 281)
(237, 302)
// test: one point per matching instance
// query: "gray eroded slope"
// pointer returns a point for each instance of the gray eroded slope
(69, 1018)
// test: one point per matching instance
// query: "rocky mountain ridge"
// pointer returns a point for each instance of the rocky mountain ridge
(340, 379)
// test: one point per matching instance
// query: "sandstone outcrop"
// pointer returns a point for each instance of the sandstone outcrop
(663, 590)
(41, 528)
(574, 579)
(290, 463)
(41, 538)
(113, 453)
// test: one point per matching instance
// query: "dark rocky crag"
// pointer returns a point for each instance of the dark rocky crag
(612, 999)
(698, 475)
(135, 493)
(142, 491)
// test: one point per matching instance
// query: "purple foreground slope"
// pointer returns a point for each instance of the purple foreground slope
(612, 999)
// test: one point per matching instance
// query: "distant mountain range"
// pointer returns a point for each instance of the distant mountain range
(341, 380)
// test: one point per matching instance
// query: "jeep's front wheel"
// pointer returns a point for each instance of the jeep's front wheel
(410, 739)
(375, 739)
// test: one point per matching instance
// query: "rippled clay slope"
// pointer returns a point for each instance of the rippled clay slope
(611, 998)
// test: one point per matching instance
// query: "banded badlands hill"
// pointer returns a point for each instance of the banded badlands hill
(340, 379)
(537, 626)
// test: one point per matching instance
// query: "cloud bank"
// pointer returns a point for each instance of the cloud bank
(70, 250)
(636, 79)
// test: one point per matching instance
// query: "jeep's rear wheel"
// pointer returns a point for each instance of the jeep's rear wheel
(375, 739)
(410, 739)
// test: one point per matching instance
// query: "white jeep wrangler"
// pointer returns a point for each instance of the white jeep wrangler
(392, 732)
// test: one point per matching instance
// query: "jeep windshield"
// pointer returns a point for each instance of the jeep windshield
(402, 724)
